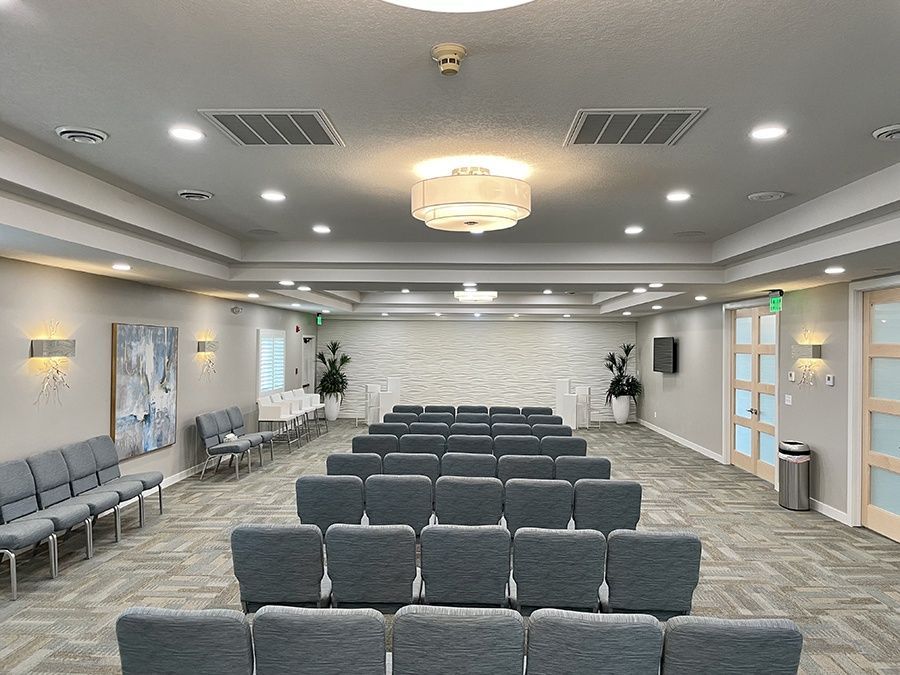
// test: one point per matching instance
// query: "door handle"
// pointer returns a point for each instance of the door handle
(753, 411)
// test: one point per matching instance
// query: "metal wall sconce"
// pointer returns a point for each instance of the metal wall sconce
(206, 352)
(52, 349)
(52, 352)
(806, 352)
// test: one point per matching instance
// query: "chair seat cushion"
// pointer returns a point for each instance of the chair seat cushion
(126, 489)
(63, 515)
(150, 479)
(97, 500)
(24, 533)
(230, 448)
(266, 435)
(254, 439)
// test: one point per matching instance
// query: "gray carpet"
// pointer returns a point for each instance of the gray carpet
(842, 585)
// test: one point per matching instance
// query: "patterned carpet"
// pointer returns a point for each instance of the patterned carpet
(841, 585)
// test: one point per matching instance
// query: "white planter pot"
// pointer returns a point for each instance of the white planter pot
(332, 407)
(621, 406)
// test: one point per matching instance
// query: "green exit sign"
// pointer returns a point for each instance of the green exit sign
(775, 303)
(318, 319)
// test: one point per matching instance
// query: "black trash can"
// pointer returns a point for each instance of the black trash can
(793, 475)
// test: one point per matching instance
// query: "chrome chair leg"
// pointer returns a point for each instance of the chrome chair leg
(159, 487)
(117, 512)
(272, 449)
(53, 545)
(89, 538)
(205, 464)
(141, 509)
(9, 555)
(237, 468)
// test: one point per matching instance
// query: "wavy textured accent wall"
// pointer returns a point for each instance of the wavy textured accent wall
(488, 362)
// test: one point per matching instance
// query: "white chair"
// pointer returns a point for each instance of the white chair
(278, 415)
(315, 402)
(303, 410)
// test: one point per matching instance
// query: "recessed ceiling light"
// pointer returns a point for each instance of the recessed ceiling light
(700, 298)
(515, 316)
(437, 314)
(273, 196)
(326, 311)
(655, 284)
(639, 289)
(656, 307)
(477, 314)
(634, 229)
(404, 290)
(185, 133)
(321, 229)
(548, 291)
(567, 316)
(836, 269)
(122, 267)
(626, 313)
(252, 295)
(295, 304)
(469, 284)
(385, 314)
(768, 132)
(83, 135)
(304, 288)
(285, 282)
(678, 196)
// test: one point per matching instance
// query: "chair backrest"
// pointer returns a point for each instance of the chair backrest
(537, 503)
(528, 411)
(449, 409)
(541, 430)
(371, 565)
(417, 409)
(695, 644)
(508, 418)
(380, 444)
(501, 429)
(516, 445)
(544, 419)
(236, 417)
(505, 410)
(436, 444)
(278, 564)
(465, 565)
(399, 500)
(476, 465)
(360, 464)
(472, 409)
(82, 466)
(574, 469)
(326, 500)
(106, 458)
(199, 641)
(51, 477)
(318, 641)
(607, 505)
(403, 418)
(472, 444)
(464, 429)
(462, 500)
(437, 417)
(558, 568)
(430, 428)
(412, 464)
(473, 418)
(223, 422)
(559, 446)
(539, 467)
(593, 644)
(394, 428)
(207, 429)
(17, 490)
(452, 640)
(652, 572)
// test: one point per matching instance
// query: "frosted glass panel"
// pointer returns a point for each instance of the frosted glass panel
(742, 440)
(767, 448)
(767, 409)
(886, 434)
(743, 367)
(885, 490)
(767, 325)
(742, 400)
(886, 323)
(768, 368)
(743, 330)
(886, 378)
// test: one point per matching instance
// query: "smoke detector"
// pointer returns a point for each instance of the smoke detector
(195, 195)
(83, 135)
(889, 133)
(766, 196)
(449, 56)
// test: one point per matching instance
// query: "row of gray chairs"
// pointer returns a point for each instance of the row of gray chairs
(475, 465)
(445, 641)
(602, 505)
(50, 493)
(375, 566)
(444, 429)
(223, 433)
(438, 444)
(474, 409)
(471, 418)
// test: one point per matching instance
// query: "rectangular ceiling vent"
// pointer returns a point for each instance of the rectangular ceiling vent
(638, 126)
(275, 127)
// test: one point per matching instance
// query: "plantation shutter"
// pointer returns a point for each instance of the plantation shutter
(271, 361)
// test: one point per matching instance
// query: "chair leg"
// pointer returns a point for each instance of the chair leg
(159, 487)
(272, 449)
(237, 468)
(89, 538)
(53, 545)
(117, 512)
(141, 509)
(12, 571)
(259, 450)
(218, 462)
(205, 464)
(249, 462)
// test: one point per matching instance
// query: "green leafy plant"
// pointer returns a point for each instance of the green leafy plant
(622, 383)
(334, 380)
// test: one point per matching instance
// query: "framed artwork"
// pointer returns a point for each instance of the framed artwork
(144, 388)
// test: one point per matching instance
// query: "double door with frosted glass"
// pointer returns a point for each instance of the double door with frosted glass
(754, 369)
(881, 413)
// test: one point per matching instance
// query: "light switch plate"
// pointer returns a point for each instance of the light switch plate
(791, 376)
(788, 399)
(829, 380)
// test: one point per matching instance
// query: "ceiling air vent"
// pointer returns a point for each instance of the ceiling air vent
(639, 126)
(195, 195)
(83, 135)
(275, 127)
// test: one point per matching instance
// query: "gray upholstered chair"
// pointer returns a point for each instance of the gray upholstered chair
(430, 428)
(293, 641)
(360, 464)
(256, 438)
(466, 443)
(537, 503)
(574, 469)
(505, 410)
(447, 418)
(558, 568)
(462, 500)
(538, 467)
(463, 429)
(412, 464)
(541, 430)
(652, 572)
(170, 641)
(528, 411)
(561, 446)
(697, 645)
(372, 566)
(417, 409)
(469, 464)
(448, 409)
(454, 640)
(22, 535)
(510, 430)
(325, 500)
(593, 644)
(400, 500)
(544, 419)
(404, 418)
(108, 468)
(84, 482)
(516, 445)
(607, 505)
(482, 409)
(436, 444)
(465, 565)
(508, 418)
(380, 444)
(394, 428)
(279, 565)
(473, 418)
(216, 449)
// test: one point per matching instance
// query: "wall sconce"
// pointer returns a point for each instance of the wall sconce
(206, 352)
(808, 355)
(806, 352)
(52, 353)
(52, 349)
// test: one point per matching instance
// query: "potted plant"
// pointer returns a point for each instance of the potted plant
(333, 382)
(623, 385)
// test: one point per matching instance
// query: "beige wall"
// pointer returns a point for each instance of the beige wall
(86, 305)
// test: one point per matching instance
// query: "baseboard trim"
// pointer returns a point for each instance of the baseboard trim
(830, 511)
(706, 452)
(181, 475)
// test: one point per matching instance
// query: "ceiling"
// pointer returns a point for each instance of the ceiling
(134, 68)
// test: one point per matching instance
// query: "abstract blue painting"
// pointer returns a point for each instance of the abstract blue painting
(144, 388)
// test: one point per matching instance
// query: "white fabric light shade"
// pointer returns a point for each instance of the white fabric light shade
(458, 6)
(471, 202)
